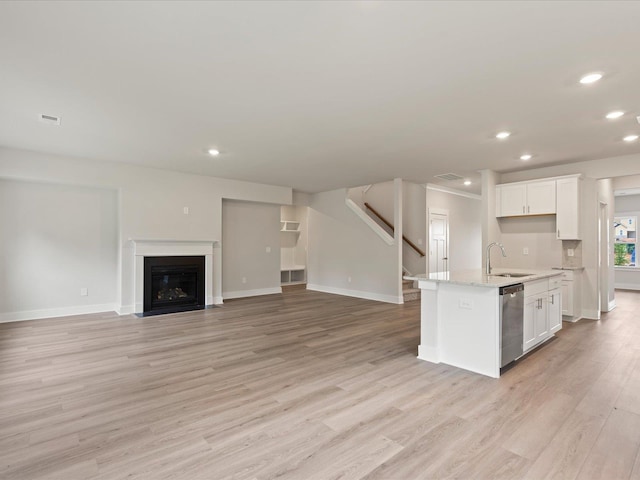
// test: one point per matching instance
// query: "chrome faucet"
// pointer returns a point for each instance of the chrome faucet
(487, 268)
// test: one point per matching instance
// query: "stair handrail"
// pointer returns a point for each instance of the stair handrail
(388, 224)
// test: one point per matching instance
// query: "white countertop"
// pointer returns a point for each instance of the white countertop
(479, 279)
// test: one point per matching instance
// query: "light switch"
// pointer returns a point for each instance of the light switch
(268, 249)
(525, 251)
(84, 291)
(186, 210)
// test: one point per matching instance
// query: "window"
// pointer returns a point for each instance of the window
(625, 245)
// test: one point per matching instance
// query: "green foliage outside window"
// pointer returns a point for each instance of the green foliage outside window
(620, 254)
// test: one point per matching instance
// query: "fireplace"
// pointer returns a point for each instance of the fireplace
(173, 284)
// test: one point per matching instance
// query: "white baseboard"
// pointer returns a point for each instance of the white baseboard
(428, 354)
(612, 305)
(591, 314)
(356, 293)
(217, 301)
(125, 310)
(251, 293)
(627, 286)
(56, 312)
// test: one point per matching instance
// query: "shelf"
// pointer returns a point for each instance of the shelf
(289, 226)
(296, 274)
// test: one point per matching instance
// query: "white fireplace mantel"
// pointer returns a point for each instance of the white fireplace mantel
(144, 247)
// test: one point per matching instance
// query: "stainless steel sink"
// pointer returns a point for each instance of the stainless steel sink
(512, 275)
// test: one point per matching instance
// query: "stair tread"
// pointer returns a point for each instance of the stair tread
(411, 290)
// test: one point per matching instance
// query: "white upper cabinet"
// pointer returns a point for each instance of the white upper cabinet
(568, 209)
(526, 198)
(541, 198)
(511, 200)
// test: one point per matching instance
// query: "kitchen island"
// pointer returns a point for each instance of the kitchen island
(460, 319)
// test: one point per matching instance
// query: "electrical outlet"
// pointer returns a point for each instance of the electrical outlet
(465, 303)
(268, 249)
(525, 251)
(419, 241)
(570, 252)
(349, 279)
(186, 210)
(244, 279)
(84, 291)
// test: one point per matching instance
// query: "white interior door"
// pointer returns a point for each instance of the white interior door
(438, 240)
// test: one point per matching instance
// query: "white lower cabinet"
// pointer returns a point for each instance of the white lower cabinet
(542, 311)
(534, 317)
(571, 298)
(554, 308)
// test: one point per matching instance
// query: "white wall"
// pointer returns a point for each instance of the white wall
(248, 230)
(607, 273)
(628, 204)
(490, 226)
(341, 245)
(414, 226)
(381, 197)
(465, 227)
(55, 240)
(151, 203)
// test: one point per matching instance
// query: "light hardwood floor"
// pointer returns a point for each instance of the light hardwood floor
(310, 386)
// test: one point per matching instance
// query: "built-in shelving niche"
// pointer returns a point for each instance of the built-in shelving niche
(293, 245)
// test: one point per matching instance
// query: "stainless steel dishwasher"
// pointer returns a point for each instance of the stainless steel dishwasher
(511, 322)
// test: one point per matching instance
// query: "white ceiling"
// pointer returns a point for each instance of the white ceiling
(321, 95)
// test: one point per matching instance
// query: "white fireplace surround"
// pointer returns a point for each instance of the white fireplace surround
(165, 248)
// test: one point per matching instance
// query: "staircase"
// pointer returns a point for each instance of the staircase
(410, 293)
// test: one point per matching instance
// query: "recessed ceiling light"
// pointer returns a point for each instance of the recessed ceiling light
(467, 182)
(591, 78)
(526, 157)
(615, 114)
(503, 135)
(630, 138)
(213, 152)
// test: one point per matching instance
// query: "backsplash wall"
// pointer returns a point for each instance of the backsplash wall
(576, 259)
(537, 235)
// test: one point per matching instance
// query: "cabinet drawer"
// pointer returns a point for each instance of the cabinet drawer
(568, 275)
(536, 287)
(555, 282)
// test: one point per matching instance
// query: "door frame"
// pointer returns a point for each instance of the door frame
(443, 212)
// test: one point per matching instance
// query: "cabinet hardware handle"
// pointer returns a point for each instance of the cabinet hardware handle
(552, 299)
(558, 232)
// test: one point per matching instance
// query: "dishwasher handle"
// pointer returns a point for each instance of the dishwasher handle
(511, 289)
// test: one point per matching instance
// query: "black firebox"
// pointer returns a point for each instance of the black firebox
(173, 284)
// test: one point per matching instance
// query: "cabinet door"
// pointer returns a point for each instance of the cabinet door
(541, 198)
(567, 298)
(530, 306)
(554, 310)
(541, 320)
(512, 200)
(567, 209)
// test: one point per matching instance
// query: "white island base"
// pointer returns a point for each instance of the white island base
(460, 327)
(460, 317)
